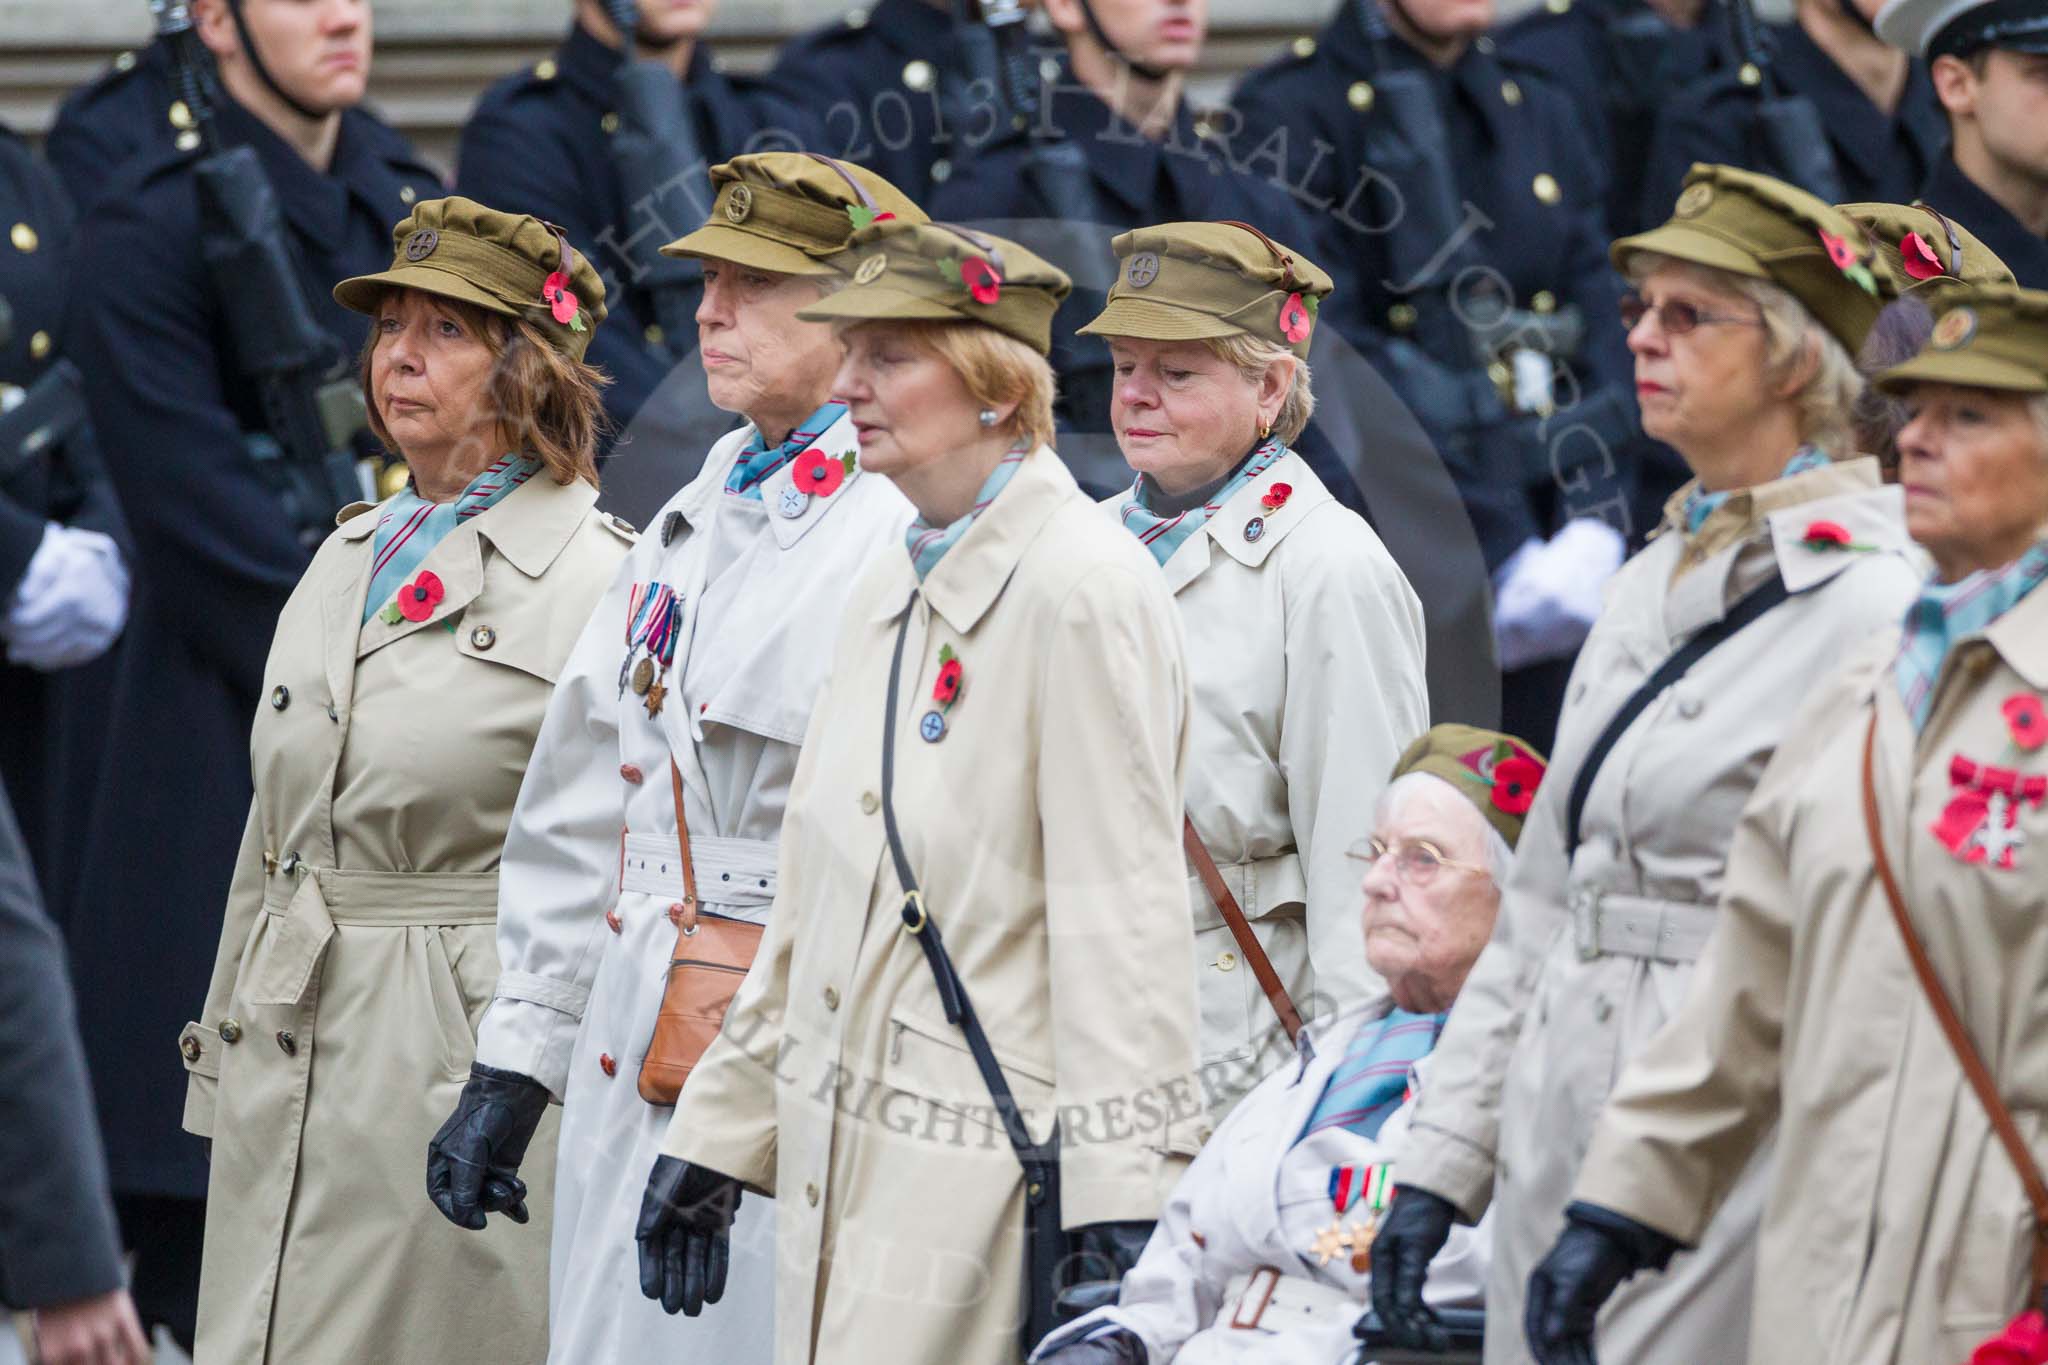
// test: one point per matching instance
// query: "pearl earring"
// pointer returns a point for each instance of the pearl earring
(987, 417)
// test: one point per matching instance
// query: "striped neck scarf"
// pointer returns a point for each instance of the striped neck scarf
(409, 526)
(928, 543)
(757, 461)
(1700, 504)
(1368, 1084)
(1163, 533)
(1944, 613)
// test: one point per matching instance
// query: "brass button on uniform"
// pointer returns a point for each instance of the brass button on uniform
(942, 171)
(545, 69)
(856, 18)
(189, 1045)
(869, 803)
(180, 115)
(24, 237)
(231, 1030)
(269, 861)
(125, 62)
(483, 637)
(39, 345)
(1545, 187)
(918, 75)
(1401, 316)
(280, 697)
(610, 123)
(286, 1043)
(811, 1195)
(1510, 93)
(831, 998)
(1749, 74)
(1543, 301)
(1359, 96)
(655, 336)
(1304, 47)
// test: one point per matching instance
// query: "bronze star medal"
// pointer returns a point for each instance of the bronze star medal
(655, 692)
(1330, 1241)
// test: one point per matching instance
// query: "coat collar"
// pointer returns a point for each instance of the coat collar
(966, 583)
(836, 441)
(1234, 518)
(2021, 637)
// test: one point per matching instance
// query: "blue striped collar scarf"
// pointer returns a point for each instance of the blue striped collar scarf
(758, 461)
(1368, 1084)
(1162, 534)
(409, 526)
(1700, 504)
(928, 543)
(1945, 613)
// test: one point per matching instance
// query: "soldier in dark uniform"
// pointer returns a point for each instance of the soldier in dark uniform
(1885, 129)
(1463, 219)
(1989, 62)
(216, 557)
(126, 109)
(540, 142)
(1623, 61)
(63, 557)
(876, 84)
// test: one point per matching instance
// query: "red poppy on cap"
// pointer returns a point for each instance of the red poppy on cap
(1294, 319)
(560, 299)
(417, 599)
(984, 284)
(1919, 258)
(816, 472)
(1514, 784)
(1839, 250)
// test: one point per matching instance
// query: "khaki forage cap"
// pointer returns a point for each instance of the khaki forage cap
(1989, 337)
(1756, 226)
(1944, 252)
(1470, 760)
(788, 211)
(460, 249)
(942, 273)
(1186, 281)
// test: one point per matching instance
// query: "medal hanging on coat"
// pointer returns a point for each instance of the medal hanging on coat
(653, 617)
(1369, 1188)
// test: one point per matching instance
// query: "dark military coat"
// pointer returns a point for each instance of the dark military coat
(123, 111)
(2024, 252)
(49, 740)
(539, 142)
(1880, 157)
(879, 85)
(215, 561)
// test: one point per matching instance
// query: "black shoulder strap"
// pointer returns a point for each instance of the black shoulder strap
(1670, 671)
(952, 991)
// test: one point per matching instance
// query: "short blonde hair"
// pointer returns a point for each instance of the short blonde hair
(1251, 355)
(1793, 339)
(997, 369)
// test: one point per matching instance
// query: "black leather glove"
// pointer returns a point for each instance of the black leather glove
(1115, 1348)
(685, 1234)
(1599, 1249)
(1415, 1229)
(1104, 1251)
(473, 1162)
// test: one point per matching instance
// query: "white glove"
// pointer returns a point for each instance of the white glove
(1548, 594)
(72, 602)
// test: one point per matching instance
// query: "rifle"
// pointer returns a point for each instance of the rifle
(40, 418)
(312, 403)
(1794, 140)
(995, 51)
(656, 152)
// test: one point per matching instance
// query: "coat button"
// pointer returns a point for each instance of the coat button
(1359, 96)
(333, 714)
(483, 637)
(632, 774)
(289, 865)
(610, 123)
(1546, 189)
(287, 1043)
(607, 1064)
(869, 803)
(655, 336)
(39, 345)
(1227, 962)
(811, 1195)
(918, 75)
(1688, 707)
(24, 237)
(230, 1031)
(613, 922)
(189, 1045)
(831, 998)
(1602, 1007)
(280, 697)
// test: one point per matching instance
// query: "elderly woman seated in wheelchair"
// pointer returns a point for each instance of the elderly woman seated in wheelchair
(1264, 1252)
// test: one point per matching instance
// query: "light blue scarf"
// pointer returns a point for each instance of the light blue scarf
(1162, 535)
(409, 526)
(1368, 1084)
(928, 544)
(757, 461)
(1700, 504)
(1944, 613)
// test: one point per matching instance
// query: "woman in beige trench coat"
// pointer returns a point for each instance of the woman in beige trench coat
(1896, 1231)
(1304, 637)
(407, 679)
(1038, 735)
(1742, 350)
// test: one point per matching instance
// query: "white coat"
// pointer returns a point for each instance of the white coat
(1230, 1276)
(1595, 946)
(1305, 648)
(595, 831)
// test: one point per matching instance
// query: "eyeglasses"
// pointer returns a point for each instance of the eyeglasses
(1676, 317)
(1416, 860)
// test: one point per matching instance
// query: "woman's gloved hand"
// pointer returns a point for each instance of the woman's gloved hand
(685, 1234)
(1104, 1251)
(1416, 1227)
(1597, 1251)
(473, 1161)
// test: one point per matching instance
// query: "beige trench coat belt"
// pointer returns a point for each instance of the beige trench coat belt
(1606, 923)
(736, 875)
(1275, 1301)
(394, 898)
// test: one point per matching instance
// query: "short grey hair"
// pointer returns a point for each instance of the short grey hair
(1500, 859)
(1251, 355)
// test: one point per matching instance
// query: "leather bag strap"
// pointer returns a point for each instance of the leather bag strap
(688, 922)
(1241, 930)
(1978, 1074)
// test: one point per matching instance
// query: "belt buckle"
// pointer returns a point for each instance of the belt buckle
(1585, 907)
(1263, 1281)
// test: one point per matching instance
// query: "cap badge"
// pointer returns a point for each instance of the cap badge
(871, 269)
(421, 244)
(1956, 327)
(739, 204)
(1693, 202)
(1142, 269)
